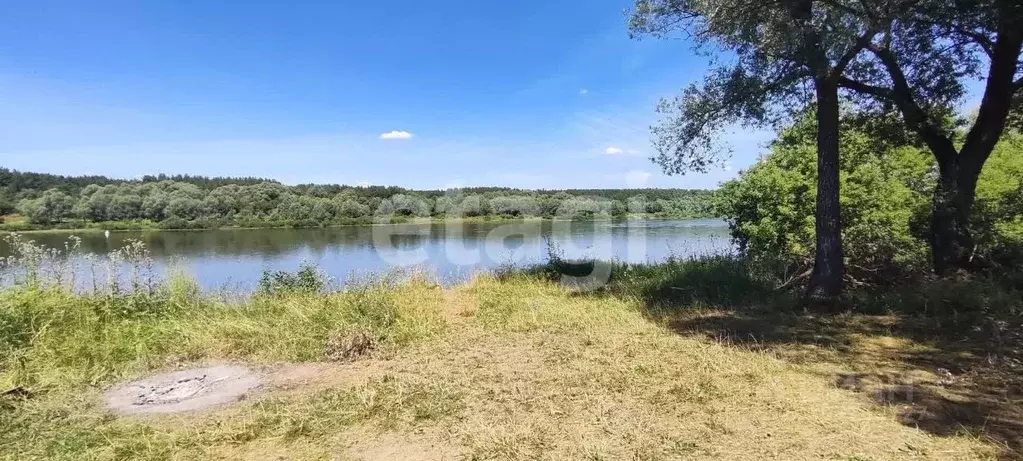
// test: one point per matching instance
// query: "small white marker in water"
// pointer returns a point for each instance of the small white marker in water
(107, 234)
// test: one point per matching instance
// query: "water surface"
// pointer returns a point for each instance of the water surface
(235, 258)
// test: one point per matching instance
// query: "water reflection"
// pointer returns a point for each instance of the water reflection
(237, 257)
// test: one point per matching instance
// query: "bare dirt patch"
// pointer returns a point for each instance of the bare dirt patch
(314, 376)
(403, 447)
(183, 391)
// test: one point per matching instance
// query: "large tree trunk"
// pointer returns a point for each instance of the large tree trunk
(828, 270)
(950, 234)
(951, 239)
(952, 243)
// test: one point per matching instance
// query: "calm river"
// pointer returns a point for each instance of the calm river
(235, 259)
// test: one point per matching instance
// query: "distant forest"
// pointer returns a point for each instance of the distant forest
(185, 201)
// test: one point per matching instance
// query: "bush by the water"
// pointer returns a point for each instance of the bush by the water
(307, 279)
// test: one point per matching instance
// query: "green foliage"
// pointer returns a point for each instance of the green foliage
(53, 335)
(778, 53)
(585, 208)
(515, 205)
(998, 212)
(306, 280)
(967, 304)
(52, 206)
(6, 206)
(409, 206)
(886, 193)
(473, 206)
(173, 223)
(770, 207)
(351, 208)
(53, 338)
(166, 203)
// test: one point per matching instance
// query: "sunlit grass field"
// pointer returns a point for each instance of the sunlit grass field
(508, 366)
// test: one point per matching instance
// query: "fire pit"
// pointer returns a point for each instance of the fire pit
(182, 391)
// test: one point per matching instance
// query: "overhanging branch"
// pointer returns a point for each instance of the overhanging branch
(853, 51)
(891, 64)
(983, 41)
(902, 96)
(876, 91)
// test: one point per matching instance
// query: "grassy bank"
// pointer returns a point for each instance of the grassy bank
(683, 360)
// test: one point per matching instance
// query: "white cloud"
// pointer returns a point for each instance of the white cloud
(613, 150)
(363, 184)
(584, 92)
(396, 134)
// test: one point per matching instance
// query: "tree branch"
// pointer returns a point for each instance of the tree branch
(915, 116)
(1000, 86)
(853, 51)
(983, 41)
(876, 91)
(846, 8)
(794, 279)
(891, 64)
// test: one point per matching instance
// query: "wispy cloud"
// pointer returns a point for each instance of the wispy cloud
(396, 134)
(584, 92)
(612, 150)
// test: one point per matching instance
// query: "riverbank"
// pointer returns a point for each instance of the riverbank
(20, 226)
(687, 359)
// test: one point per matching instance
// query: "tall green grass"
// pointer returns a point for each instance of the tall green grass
(62, 340)
(56, 335)
(733, 282)
(57, 332)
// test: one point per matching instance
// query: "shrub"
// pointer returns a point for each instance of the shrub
(51, 207)
(307, 279)
(770, 207)
(886, 189)
(514, 206)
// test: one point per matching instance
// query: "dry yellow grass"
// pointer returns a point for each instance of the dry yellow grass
(525, 370)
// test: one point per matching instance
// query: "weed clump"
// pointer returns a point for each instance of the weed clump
(347, 346)
(307, 279)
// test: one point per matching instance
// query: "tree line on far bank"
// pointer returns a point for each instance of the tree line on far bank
(199, 202)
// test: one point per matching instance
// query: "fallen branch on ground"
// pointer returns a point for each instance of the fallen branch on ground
(794, 279)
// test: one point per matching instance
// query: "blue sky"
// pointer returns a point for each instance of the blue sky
(526, 94)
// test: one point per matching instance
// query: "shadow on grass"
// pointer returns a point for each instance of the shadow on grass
(945, 355)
